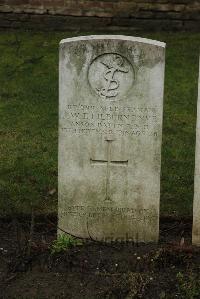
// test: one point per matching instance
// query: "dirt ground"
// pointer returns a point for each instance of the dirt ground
(94, 270)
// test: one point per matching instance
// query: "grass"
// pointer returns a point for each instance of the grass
(29, 116)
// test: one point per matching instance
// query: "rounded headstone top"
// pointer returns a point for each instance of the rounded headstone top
(114, 37)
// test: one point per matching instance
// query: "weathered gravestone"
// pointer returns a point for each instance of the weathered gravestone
(110, 119)
(196, 208)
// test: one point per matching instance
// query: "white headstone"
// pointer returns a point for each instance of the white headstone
(196, 206)
(110, 122)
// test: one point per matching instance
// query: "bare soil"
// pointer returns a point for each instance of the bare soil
(96, 270)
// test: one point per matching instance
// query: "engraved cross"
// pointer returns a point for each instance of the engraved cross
(108, 163)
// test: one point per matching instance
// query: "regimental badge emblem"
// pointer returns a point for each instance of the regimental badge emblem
(111, 76)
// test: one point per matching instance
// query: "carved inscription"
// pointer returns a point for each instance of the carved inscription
(110, 76)
(119, 120)
(100, 212)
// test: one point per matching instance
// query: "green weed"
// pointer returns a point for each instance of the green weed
(188, 285)
(63, 243)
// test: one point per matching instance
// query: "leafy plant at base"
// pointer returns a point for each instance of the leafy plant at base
(188, 285)
(62, 243)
